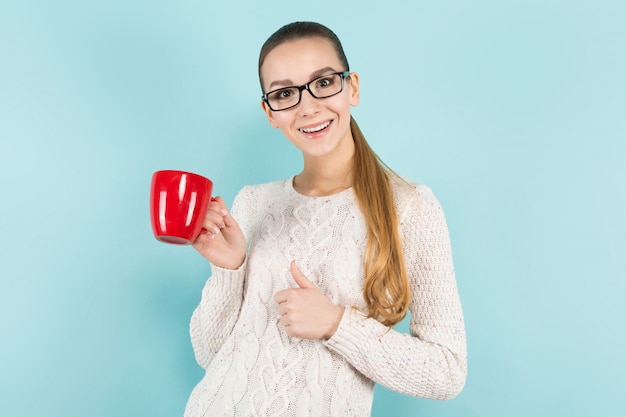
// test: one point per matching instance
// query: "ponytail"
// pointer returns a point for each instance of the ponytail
(386, 289)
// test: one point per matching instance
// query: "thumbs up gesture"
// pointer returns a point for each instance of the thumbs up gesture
(305, 312)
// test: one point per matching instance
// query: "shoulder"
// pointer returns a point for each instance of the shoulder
(418, 208)
(410, 196)
(250, 197)
(269, 189)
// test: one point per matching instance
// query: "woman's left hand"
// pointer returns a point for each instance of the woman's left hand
(305, 312)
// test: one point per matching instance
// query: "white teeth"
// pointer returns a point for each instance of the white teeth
(315, 129)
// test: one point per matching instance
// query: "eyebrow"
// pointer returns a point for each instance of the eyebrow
(288, 83)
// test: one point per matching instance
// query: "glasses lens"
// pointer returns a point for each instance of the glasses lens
(326, 86)
(283, 98)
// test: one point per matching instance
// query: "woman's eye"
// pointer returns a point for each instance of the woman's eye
(324, 82)
(283, 94)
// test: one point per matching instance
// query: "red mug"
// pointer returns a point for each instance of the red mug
(179, 201)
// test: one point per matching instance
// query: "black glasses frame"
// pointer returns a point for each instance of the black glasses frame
(342, 75)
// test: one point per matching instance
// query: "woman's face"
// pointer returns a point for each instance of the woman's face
(318, 127)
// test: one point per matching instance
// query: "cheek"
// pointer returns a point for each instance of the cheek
(345, 101)
(343, 109)
(281, 120)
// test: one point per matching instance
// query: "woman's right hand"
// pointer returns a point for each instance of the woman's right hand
(223, 243)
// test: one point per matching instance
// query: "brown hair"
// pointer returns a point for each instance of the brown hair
(386, 288)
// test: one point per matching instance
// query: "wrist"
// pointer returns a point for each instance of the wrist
(337, 315)
(236, 265)
(230, 266)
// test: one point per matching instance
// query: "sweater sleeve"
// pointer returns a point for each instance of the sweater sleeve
(431, 362)
(214, 318)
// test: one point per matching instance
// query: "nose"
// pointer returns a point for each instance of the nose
(308, 104)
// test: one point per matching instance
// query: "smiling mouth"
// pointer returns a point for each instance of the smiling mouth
(316, 128)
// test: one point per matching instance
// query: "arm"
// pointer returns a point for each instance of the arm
(432, 361)
(214, 318)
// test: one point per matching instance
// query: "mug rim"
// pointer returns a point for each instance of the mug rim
(178, 171)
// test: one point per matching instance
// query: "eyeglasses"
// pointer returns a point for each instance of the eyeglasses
(320, 87)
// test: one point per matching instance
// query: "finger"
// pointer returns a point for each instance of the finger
(213, 221)
(203, 239)
(299, 277)
(282, 310)
(281, 296)
(285, 322)
(219, 205)
(217, 210)
(229, 221)
(221, 208)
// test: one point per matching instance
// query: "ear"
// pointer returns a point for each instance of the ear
(270, 114)
(355, 93)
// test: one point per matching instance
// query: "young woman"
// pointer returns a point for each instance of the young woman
(311, 274)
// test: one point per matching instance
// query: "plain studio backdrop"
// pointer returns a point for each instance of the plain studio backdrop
(513, 112)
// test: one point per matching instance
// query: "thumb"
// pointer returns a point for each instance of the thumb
(299, 277)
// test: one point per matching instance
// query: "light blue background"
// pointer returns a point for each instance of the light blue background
(514, 112)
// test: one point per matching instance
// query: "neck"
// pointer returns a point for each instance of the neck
(325, 176)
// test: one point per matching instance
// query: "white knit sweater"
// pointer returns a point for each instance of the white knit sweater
(254, 369)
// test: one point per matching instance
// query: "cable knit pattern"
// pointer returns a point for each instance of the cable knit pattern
(253, 368)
